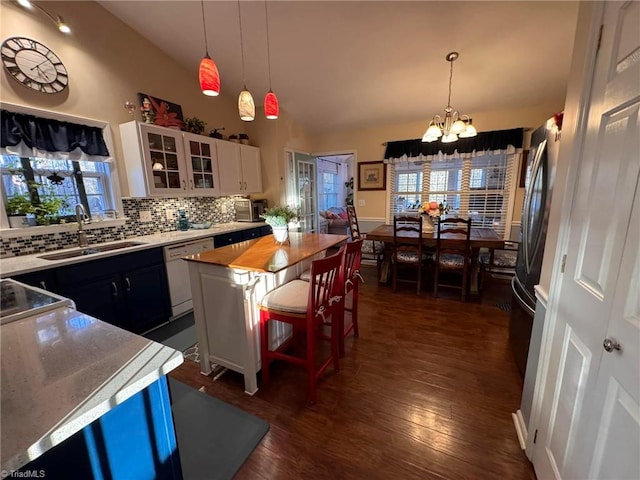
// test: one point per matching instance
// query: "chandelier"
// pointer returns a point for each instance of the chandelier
(453, 125)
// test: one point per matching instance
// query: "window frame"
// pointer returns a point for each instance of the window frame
(116, 192)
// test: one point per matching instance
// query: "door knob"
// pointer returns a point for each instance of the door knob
(610, 345)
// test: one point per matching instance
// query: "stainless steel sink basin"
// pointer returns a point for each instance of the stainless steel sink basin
(80, 252)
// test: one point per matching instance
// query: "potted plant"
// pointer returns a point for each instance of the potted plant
(278, 218)
(18, 207)
(48, 210)
(194, 125)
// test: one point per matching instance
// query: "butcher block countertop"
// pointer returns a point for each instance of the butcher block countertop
(264, 255)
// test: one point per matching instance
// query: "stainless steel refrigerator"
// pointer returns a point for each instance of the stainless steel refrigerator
(541, 167)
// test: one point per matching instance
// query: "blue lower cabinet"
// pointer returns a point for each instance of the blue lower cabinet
(266, 230)
(227, 239)
(135, 440)
(252, 233)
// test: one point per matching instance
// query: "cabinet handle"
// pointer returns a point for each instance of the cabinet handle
(127, 284)
(184, 184)
(43, 285)
(115, 289)
(191, 183)
(240, 185)
(245, 185)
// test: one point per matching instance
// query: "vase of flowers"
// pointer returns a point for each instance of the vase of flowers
(278, 218)
(431, 212)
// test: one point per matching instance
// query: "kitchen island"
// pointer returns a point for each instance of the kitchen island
(79, 397)
(227, 285)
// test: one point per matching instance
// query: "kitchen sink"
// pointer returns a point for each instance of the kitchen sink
(80, 252)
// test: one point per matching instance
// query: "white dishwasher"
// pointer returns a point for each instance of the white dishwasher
(178, 273)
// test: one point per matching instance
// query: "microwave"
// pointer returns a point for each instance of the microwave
(249, 210)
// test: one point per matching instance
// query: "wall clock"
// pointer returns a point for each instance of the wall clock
(34, 65)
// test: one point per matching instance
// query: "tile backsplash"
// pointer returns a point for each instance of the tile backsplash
(164, 218)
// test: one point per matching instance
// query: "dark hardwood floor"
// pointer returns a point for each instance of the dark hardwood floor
(426, 392)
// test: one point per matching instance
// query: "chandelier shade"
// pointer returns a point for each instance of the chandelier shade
(209, 77)
(271, 106)
(246, 107)
(208, 70)
(453, 125)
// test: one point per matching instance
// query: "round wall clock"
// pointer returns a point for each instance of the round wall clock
(34, 65)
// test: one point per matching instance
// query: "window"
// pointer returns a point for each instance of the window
(331, 176)
(63, 183)
(407, 194)
(476, 187)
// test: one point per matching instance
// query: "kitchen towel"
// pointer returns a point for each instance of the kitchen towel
(214, 438)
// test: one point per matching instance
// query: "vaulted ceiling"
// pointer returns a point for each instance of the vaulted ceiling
(341, 65)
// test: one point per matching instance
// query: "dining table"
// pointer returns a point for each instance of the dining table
(481, 237)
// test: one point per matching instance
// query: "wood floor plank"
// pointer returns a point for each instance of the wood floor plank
(426, 392)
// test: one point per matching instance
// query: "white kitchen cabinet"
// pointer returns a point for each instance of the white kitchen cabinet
(202, 165)
(240, 168)
(165, 162)
(155, 161)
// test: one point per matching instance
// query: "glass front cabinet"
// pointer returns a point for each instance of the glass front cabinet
(164, 162)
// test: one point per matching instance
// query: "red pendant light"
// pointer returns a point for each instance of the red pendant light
(209, 77)
(271, 106)
(208, 71)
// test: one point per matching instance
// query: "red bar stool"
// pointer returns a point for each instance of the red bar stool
(351, 257)
(307, 307)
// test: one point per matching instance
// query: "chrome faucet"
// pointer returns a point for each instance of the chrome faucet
(80, 216)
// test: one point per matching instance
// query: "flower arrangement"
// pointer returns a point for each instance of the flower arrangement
(434, 209)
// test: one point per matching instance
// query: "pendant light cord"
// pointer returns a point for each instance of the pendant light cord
(244, 82)
(204, 27)
(450, 78)
(266, 19)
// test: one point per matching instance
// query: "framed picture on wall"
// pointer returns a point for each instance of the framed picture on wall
(372, 176)
(160, 112)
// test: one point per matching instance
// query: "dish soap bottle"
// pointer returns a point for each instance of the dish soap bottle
(183, 223)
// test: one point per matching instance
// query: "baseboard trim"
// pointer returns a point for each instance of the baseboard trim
(521, 428)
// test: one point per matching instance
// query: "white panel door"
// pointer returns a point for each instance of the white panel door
(589, 420)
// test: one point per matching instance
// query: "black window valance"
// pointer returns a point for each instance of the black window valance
(496, 140)
(49, 135)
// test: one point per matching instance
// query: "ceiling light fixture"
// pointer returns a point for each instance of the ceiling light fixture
(208, 71)
(58, 20)
(271, 106)
(453, 125)
(246, 107)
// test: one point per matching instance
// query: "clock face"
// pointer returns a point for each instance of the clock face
(34, 65)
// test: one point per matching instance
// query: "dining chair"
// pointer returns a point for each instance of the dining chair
(371, 250)
(351, 257)
(408, 251)
(499, 262)
(453, 255)
(308, 307)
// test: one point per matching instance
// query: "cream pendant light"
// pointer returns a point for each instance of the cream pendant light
(453, 125)
(271, 105)
(208, 71)
(246, 107)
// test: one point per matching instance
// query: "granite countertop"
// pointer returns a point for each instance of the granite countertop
(61, 370)
(264, 255)
(31, 263)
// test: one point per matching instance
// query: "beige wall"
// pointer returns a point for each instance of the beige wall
(109, 63)
(368, 145)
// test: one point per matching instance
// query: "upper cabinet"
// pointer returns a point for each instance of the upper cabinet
(164, 162)
(240, 168)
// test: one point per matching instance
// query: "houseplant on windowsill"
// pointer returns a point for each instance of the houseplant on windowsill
(278, 218)
(18, 208)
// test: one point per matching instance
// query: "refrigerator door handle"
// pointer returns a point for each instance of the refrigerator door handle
(520, 300)
(526, 234)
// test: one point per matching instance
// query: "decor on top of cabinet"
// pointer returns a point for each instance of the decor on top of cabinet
(244, 138)
(234, 138)
(160, 112)
(215, 133)
(278, 218)
(194, 125)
